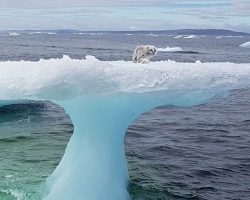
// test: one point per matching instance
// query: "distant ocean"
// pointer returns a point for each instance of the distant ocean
(194, 153)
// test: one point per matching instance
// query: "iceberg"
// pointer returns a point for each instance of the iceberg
(245, 45)
(170, 49)
(103, 98)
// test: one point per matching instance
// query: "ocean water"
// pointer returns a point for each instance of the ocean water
(202, 152)
(199, 152)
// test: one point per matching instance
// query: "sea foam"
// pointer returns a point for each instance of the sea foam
(103, 98)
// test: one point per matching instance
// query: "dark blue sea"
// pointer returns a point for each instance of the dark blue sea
(194, 153)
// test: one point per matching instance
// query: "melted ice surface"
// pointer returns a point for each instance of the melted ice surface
(59, 79)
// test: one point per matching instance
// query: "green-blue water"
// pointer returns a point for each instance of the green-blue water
(33, 138)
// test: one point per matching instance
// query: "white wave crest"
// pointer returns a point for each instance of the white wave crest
(51, 33)
(32, 33)
(188, 36)
(13, 34)
(14, 193)
(245, 45)
(192, 37)
(178, 36)
(170, 49)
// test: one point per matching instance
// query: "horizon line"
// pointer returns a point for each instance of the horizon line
(129, 30)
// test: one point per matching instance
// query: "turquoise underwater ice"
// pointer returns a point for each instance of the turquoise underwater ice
(95, 156)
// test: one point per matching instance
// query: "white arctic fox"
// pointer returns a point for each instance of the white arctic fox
(142, 54)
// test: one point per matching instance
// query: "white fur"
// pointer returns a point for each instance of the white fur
(142, 54)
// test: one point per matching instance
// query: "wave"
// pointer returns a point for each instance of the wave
(192, 37)
(103, 98)
(14, 34)
(229, 36)
(32, 33)
(38, 32)
(188, 36)
(178, 36)
(245, 45)
(90, 33)
(170, 49)
(51, 33)
(14, 193)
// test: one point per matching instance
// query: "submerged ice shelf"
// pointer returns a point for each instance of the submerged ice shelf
(102, 99)
(94, 165)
